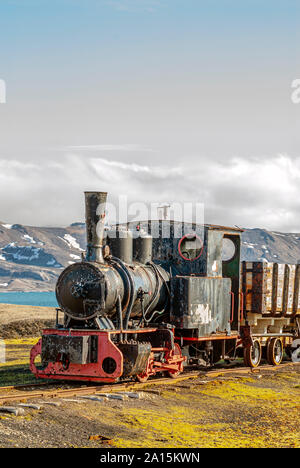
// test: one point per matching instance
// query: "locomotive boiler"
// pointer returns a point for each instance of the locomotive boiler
(142, 302)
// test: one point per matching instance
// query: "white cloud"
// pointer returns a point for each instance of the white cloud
(2, 92)
(126, 147)
(257, 192)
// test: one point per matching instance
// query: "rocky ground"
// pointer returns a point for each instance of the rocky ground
(236, 411)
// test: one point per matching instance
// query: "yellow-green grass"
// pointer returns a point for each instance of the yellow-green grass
(220, 414)
(229, 415)
(15, 369)
(17, 351)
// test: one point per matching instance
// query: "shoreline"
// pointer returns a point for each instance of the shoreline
(28, 291)
(29, 299)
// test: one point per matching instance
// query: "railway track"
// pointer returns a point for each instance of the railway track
(19, 394)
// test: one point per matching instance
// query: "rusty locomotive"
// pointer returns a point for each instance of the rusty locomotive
(139, 304)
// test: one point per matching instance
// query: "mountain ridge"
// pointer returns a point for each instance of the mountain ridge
(31, 258)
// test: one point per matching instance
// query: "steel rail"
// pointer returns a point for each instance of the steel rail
(133, 386)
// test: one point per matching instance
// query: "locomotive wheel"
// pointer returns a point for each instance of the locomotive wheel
(274, 351)
(176, 352)
(252, 355)
(142, 378)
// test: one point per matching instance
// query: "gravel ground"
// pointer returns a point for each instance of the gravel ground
(231, 411)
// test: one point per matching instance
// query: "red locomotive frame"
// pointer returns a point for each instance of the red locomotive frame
(172, 361)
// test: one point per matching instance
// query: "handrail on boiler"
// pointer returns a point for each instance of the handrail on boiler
(232, 306)
(241, 306)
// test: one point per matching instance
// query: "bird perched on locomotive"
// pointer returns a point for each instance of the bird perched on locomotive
(138, 304)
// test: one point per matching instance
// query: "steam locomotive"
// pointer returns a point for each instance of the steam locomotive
(140, 304)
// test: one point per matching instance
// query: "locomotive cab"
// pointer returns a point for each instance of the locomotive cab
(205, 291)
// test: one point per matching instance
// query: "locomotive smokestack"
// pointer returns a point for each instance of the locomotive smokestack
(95, 204)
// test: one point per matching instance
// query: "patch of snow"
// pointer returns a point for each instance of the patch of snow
(2, 258)
(51, 262)
(29, 255)
(71, 241)
(3, 285)
(34, 255)
(71, 263)
(29, 239)
(76, 257)
(7, 226)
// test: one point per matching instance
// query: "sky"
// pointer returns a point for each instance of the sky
(159, 100)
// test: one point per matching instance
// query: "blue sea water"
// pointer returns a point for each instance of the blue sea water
(42, 299)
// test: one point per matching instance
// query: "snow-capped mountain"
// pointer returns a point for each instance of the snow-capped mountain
(272, 246)
(31, 258)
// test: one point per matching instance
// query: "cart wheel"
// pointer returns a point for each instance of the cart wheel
(252, 355)
(274, 351)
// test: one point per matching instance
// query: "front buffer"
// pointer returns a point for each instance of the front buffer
(102, 356)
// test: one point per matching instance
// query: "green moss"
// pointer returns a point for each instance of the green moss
(242, 392)
(178, 429)
(200, 417)
(16, 375)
